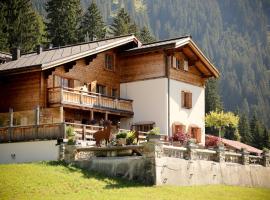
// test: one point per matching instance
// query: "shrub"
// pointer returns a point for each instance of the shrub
(122, 134)
(211, 141)
(131, 137)
(154, 131)
(70, 135)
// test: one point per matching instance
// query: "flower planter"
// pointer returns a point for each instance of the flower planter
(153, 138)
(125, 152)
(121, 141)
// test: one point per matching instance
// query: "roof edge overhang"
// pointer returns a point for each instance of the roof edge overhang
(174, 45)
(147, 50)
(29, 69)
(200, 54)
(100, 49)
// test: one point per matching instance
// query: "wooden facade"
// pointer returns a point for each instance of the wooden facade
(87, 89)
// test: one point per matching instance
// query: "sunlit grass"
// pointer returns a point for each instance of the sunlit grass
(55, 180)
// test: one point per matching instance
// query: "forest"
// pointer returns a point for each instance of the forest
(234, 34)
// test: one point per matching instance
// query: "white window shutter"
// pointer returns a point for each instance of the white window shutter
(185, 65)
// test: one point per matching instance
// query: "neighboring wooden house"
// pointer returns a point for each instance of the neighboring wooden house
(231, 145)
(5, 57)
(159, 84)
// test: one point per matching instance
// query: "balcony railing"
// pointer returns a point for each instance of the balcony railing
(87, 99)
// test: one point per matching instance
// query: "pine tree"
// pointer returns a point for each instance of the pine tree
(145, 36)
(3, 28)
(256, 131)
(63, 21)
(122, 24)
(266, 138)
(92, 25)
(244, 130)
(212, 98)
(24, 27)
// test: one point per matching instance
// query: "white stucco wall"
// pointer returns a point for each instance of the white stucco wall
(193, 116)
(29, 151)
(149, 102)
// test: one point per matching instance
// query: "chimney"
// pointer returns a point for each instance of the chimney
(16, 53)
(39, 49)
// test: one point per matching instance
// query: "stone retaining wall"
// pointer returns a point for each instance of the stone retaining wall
(168, 165)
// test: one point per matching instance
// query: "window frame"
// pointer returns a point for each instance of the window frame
(109, 62)
(186, 99)
(103, 88)
(116, 93)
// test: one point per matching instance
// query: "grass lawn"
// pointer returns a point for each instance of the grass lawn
(54, 180)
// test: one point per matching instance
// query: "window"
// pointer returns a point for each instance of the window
(177, 61)
(186, 99)
(143, 126)
(114, 93)
(109, 62)
(101, 89)
(67, 83)
(196, 134)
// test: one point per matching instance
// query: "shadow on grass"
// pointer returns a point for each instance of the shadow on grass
(111, 182)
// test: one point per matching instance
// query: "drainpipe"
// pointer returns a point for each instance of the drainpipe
(168, 90)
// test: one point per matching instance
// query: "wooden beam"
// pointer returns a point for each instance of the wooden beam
(68, 66)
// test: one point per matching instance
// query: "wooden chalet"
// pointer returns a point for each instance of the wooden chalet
(81, 85)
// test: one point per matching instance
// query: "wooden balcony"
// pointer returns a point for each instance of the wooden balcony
(82, 99)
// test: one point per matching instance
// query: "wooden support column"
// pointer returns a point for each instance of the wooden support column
(61, 95)
(10, 129)
(62, 119)
(91, 115)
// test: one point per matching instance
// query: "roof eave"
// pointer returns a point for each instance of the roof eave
(90, 52)
(27, 69)
(205, 60)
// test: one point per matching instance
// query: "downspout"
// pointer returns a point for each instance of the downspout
(168, 90)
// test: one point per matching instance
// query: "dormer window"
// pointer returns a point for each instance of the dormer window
(109, 62)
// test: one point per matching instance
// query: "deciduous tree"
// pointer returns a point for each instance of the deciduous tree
(221, 120)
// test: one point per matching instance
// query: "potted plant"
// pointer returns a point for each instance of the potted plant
(180, 138)
(121, 138)
(153, 135)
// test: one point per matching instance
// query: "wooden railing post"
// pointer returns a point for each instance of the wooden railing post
(81, 97)
(116, 104)
(10, 129)
(63, 130)
(99, 100)
(83, 132)
(37, 120)
(106, 116)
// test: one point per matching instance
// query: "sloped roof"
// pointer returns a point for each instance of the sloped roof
(57, 56)
(238, 145)
(176, 43)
